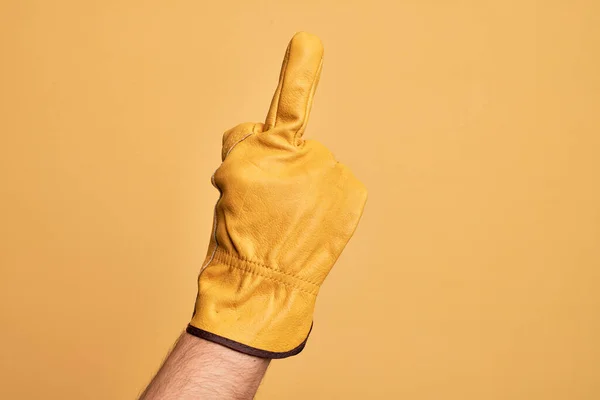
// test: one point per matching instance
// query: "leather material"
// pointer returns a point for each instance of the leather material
(286, 211)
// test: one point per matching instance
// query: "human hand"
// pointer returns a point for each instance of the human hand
(286, 211)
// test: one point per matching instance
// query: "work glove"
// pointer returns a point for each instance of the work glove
(286, 210)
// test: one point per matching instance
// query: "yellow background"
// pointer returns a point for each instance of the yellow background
(474, 273)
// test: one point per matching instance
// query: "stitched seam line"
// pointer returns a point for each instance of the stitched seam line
(282, 82)
(226, 254)
(214, 234)
(251, 271)
(236, 143)
(308, 104)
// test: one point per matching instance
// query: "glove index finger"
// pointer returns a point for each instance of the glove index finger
(298, 81)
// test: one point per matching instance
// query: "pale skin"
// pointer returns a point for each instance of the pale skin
(202, 370)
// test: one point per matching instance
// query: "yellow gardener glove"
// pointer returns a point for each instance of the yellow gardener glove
(287, 209)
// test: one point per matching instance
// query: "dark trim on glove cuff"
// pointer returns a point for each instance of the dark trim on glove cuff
(242, 348)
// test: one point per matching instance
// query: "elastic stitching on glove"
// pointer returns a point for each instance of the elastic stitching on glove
(229, 263)
(225, 253)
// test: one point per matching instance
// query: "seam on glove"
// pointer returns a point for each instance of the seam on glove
(308, 104)
(225, 253)
(249, 270)
(215, 222)
(235, 144)
(240, 140)
(286, 59)
(212, 179)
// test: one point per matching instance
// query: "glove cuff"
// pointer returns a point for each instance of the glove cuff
(252, 308)
(242, 348)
